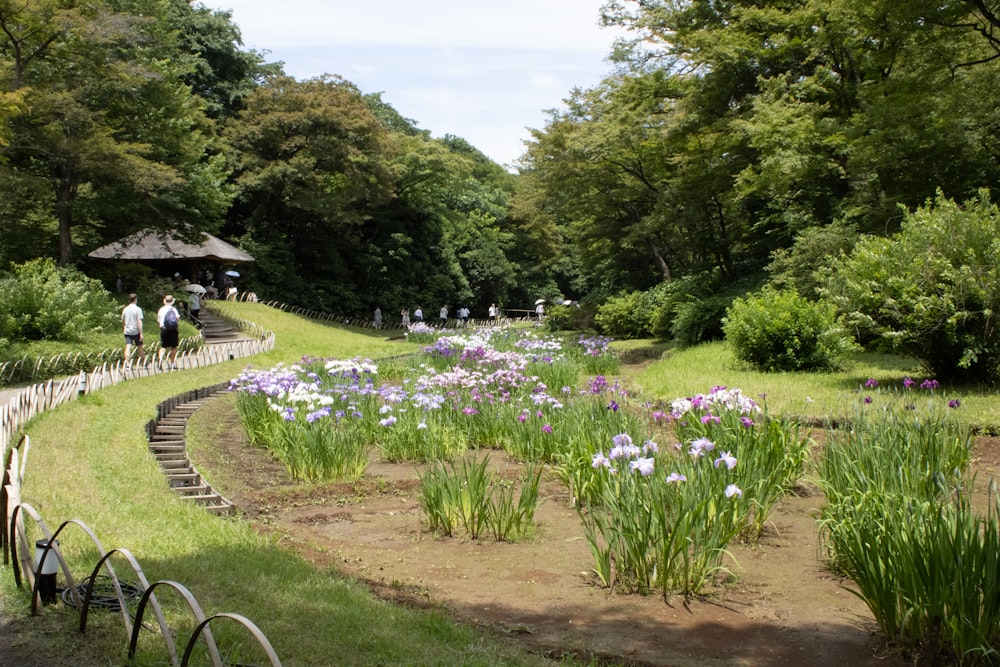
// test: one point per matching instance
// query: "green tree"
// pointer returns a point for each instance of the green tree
(311, 167)
(107, 125)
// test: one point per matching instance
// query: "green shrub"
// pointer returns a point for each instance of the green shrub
(691, 309)
(567, 318)
(932, 291)
(676, 293)
(700, 320)
(628, 316)
(800, 268)
(778, 330)
(41, 301)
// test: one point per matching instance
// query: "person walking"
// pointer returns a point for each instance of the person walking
(194, 305)
(378, 317)
(132, 327)
(405, 317)
(169, 320)
(418, 315)
(444, 315)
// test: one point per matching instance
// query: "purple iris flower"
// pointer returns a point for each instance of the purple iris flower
(644, 466)
(726, 458)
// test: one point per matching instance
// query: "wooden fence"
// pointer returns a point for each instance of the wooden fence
(31, 401)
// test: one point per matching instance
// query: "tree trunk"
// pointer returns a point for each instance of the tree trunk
(65, 187)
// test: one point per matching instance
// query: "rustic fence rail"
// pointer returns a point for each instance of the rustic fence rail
(31, 401)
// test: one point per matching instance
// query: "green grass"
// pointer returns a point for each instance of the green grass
(812, 396)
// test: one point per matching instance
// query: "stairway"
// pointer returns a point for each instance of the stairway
(168, 445)
(217, 330)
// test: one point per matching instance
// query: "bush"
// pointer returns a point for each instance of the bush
(700, 320)
(932, 291)
(568, 318)
(799, 268)
(778, 330)
(43, 302)
(690, 310)
(630, 315)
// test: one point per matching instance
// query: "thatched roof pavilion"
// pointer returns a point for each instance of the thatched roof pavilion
(158, 245)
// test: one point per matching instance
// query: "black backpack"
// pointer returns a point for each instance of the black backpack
(170, 319)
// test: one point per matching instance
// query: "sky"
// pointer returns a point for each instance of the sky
(483, 70)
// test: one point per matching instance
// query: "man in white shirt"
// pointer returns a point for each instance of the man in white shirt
(132, 326)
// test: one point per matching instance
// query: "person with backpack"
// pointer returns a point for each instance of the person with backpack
(169, 320)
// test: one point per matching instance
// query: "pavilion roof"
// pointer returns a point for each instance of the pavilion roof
(152, 244)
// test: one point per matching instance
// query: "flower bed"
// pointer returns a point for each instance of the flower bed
(655, 517)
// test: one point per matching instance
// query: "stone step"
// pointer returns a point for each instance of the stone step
(195, 491)
(206, 498)
(183, 478)
(169, 447)
(176, 465)
(160, 448)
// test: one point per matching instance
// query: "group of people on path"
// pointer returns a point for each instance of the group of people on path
(462, 314)
(167, 318)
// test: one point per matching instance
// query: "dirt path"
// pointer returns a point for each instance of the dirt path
(781, 607)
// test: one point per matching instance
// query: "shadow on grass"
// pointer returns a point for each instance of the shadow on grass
(313, 615)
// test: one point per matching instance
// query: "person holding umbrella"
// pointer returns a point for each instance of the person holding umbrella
(194, 301)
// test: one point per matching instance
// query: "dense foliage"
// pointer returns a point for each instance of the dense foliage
(731, 129)
(732, 138)
(40, 301)
(779, 330)
(933, 290)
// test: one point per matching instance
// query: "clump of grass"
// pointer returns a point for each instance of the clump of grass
(465, 495)
(899, 523)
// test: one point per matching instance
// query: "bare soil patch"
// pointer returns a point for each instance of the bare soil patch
(782, 606)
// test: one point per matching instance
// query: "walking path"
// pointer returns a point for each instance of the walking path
(217, 332)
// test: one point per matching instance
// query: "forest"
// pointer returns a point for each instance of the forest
(736, 144)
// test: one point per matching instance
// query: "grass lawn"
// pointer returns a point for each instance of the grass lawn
(808, 396)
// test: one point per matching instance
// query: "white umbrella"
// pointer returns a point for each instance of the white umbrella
(195, 287)
(234, 274)
(540, 301)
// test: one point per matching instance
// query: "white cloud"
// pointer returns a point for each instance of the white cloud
(479, 69)
(560, 24)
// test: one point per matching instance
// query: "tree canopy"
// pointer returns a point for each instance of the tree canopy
(729, 136)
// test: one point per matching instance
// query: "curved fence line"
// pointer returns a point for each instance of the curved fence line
(17, 541)
(368, 323)
(17, 549)
(31, 401)
(32, 369)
